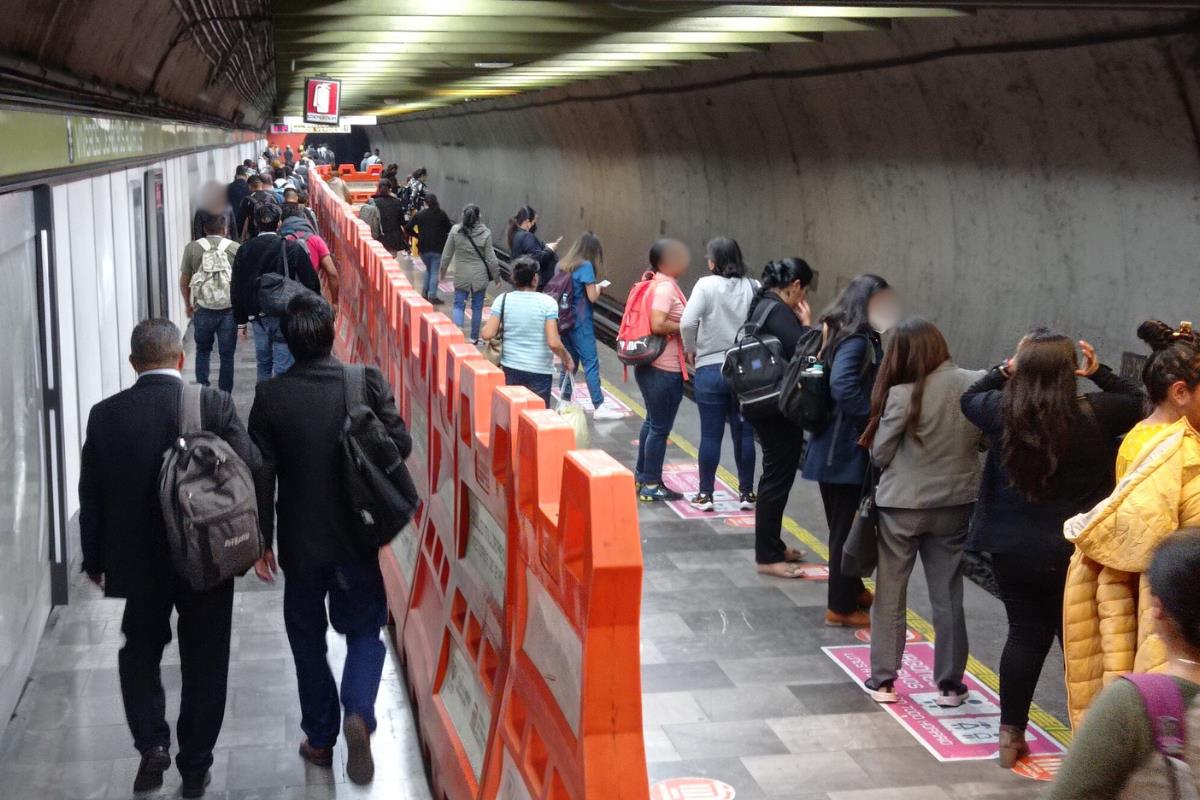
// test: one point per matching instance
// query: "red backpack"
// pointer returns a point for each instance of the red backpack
(637, 344)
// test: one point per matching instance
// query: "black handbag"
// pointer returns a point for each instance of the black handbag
(860, 554)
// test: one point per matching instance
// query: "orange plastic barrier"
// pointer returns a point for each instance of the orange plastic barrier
(516, 592)
(375, 169)
(346, 169)
(324, 170)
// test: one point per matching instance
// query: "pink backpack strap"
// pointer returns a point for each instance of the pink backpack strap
(1165, 709)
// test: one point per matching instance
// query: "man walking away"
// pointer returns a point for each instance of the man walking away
(205, 279)
(124, 540)
(297, 420)
(260, 194)
(432, 226)
(296, 227)
(267, 252)
(237, 191)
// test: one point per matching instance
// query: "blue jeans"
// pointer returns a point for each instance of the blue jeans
(536, 382)
(270, 348)
(218, 325)
(433, 262)
(460, 304)
(357, 610)
(717, 406)
(662, 392)
(581, 344)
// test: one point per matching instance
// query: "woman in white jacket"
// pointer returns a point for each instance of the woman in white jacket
(715, 312)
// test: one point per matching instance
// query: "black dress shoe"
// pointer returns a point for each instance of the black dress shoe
(155, 762)
(194, 785)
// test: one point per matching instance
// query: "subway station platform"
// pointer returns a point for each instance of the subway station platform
(736, 685)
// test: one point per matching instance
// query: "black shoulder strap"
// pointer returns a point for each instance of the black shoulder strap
(764, 309)
(486, 266)
(356, 395)
(191, 419)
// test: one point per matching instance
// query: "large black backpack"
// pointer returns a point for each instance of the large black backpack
(805, 398)
(208, 501)
(754, 367)
(382, 495)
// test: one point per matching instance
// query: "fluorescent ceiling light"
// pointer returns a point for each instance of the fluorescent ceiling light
(493, 64)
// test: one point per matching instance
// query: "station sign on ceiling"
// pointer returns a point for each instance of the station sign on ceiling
(322, 101)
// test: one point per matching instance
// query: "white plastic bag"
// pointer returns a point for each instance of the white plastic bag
(572, 412)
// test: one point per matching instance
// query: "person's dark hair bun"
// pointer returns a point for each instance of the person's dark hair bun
(1159, 335)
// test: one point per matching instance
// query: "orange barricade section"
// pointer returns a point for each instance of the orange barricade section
(375, 169)
(516, 590)
(346, 169)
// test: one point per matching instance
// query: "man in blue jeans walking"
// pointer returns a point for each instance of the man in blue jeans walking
(297, 421)
(268, 252)
(205, 279)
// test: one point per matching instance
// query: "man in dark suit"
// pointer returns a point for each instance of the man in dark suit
(124, 540)
(297, 421)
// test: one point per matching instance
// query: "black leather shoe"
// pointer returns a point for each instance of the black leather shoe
(194, 785)
(155, 762)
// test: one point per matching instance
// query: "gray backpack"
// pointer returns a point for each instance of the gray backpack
(208, 501)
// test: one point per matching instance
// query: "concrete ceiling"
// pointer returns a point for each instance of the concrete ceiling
(400, 56)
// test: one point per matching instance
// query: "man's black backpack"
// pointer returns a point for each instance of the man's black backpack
(754, 367)
(208, 501)
(382, 495)
(277, 289)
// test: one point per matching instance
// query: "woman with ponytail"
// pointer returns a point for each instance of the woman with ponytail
(786, 315)
(471, 257)
(1051, 456)
(1106, 582)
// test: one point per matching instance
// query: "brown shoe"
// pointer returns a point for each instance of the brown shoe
(855, 619)
(317, 756)
(1013, 746)
(360, 764)
(866, 599)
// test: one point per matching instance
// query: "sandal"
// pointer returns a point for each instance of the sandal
(781, 569)
(793, 556)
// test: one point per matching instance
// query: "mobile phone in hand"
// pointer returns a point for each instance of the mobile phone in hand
(604, 284)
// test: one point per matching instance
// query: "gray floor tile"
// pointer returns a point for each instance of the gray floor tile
(687, 600)
(675, 580)
(267, 767)
(660, 625)
(836, 698)
(658, 746)
(724, 739)
(683, 677)
(824, 732)
(793, 670)
(670, 708)
(911, 793)
(743, 703)
(790, 775)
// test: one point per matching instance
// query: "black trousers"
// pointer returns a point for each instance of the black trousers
(782, 446)
(1031, 588)
(841, 501)
(204, 624)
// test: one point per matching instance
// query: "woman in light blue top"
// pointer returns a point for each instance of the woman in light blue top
(528, 321)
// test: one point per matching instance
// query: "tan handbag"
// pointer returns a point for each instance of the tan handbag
(493, 349)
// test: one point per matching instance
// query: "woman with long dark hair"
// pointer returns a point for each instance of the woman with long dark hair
(786, 316)
(1050, 457)
(469, 253)
(928, 454)
(715, 313)
(584, 262)
(390, 216)
(865, 309)
(523, 241)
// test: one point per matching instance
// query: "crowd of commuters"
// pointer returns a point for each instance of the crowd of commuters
(998, 462)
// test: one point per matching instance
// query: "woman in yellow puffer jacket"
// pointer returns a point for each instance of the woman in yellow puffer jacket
(1107, 625)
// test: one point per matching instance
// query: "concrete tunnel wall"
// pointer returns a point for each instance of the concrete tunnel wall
(995, 191)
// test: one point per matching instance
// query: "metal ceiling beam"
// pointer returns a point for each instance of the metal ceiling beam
(287, 27)
(483, 38)
(347, 9)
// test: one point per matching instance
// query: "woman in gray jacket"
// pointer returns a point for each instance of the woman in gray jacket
(470, 254)
(929, 456)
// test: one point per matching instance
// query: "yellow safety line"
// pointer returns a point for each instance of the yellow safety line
(986, 675)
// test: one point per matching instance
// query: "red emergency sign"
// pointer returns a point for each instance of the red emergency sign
(322, 100)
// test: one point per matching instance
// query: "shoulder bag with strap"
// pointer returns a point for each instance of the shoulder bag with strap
(860, 553)
(494, 350)
(382, 495)
(210, 284)
(486, 266)
(277, 289)
(208, 501)
(1167, 713)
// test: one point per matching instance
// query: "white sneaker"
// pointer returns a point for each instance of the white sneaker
(608, 412)
(953, 698)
